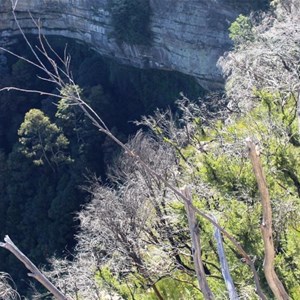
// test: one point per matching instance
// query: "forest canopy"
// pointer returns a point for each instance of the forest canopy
(218, 173)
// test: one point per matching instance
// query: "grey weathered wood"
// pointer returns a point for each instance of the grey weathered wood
(298, 111)
(196, 246)
(224, 264)
(35, 272)
(266, 227)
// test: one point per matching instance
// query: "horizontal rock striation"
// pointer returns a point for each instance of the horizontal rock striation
(188, 35)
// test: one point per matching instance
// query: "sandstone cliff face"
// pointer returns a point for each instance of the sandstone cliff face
(189, 35)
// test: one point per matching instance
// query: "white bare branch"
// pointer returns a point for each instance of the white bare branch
(35, 272)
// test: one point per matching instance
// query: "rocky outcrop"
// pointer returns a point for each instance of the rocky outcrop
(188, 35)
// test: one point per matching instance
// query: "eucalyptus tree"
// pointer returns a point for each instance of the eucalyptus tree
(43, 141)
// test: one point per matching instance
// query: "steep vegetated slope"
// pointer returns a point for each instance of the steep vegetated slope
(134, 239)
(47, 148)
(134, 236)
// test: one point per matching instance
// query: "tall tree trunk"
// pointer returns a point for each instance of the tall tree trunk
(266, 226)
(196, 247)
(224, 265)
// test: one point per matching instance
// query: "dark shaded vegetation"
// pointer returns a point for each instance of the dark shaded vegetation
(131, 21)
(249, 5)
(38, 201)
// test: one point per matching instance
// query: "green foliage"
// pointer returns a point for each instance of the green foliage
(226, 168)
(42, 141)
(178, 287)
(241, 30)
(131, 21)
(125, 288)
(21, 70)
(289, 261)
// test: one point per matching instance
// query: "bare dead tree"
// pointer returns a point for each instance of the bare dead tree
(195, 235)
(126, 227)
(233, 295)
(269, 62)
(78, 277)
(266, 226)
(127, 221)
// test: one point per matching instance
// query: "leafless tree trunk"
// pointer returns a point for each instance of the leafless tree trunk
(35, 272)
(196, 246)
(224, 265)
(298, 111)
(266, 226)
